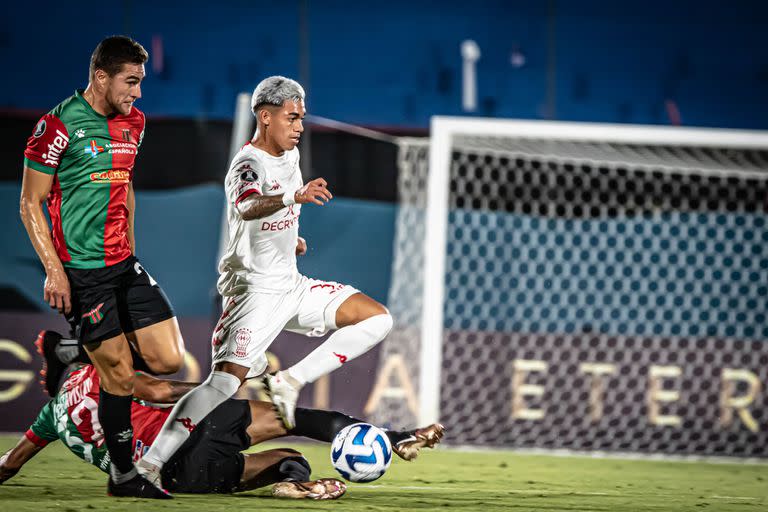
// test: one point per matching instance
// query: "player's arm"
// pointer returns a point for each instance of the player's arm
(131, 205)
(160, 391)
(12, 461)
(35, 187)
(256, 206)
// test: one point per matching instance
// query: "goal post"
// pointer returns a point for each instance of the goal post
(543, 252)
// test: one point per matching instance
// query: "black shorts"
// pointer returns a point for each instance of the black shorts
(210, 460)
(112, 300)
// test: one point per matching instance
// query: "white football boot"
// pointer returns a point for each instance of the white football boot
(283, 391)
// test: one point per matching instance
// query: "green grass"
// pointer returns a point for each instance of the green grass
(439, 480)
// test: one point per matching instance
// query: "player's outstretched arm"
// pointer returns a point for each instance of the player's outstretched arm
(12, 461)
(35, 187)
(258, 206)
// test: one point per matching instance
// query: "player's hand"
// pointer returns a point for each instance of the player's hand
(5, 471)
(301, 247)
(56, 291)
(316, 191)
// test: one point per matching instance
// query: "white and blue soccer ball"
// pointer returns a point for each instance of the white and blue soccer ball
(361, 452)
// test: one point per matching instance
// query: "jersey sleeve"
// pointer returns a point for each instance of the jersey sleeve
(46, 145)
(43, 430)
(245, 178)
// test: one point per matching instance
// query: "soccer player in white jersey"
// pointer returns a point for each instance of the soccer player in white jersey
(262, 289)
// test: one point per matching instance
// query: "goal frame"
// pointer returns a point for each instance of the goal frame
(442, 131)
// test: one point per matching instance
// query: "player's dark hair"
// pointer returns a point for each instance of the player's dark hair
(113, 52)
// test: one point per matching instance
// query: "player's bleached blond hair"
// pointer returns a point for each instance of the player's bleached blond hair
(275, 90)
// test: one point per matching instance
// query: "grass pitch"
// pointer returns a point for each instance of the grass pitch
(438, 480)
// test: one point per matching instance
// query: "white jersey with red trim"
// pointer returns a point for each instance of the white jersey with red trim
(261, 253)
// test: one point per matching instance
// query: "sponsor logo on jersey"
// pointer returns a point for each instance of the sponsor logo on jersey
(126, 135)
(94, 149)
(80, 133)
(113, 176)
(141, 137)
(39, 129)
(280, 225)
(342, 357)
(55, 148)
(274, 186)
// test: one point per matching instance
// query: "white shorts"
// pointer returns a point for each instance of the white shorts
(250, 322)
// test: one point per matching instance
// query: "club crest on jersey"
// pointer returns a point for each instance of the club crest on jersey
(242, 338)
(94, 149)
(39, 129)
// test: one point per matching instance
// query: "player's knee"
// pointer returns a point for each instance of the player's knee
(169, 364)
(384, 323)
(165, 362)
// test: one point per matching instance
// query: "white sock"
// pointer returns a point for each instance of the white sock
(188, 412)
(343, 345)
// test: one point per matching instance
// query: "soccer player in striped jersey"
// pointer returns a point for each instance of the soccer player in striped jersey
(79, 159)
(71, 416)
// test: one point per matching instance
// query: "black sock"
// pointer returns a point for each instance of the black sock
(295, 469)
(324, 425)
(115, 418)
(395, 436)
(320, 425)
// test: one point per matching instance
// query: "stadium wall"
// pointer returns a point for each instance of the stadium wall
(586, 60)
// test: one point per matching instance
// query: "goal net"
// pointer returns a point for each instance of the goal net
(581, 286)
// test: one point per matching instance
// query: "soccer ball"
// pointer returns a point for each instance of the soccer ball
(361, 452)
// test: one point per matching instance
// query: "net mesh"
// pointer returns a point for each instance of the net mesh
(564, 253)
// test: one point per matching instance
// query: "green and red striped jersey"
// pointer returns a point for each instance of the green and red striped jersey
(73, 416)
(91, 157)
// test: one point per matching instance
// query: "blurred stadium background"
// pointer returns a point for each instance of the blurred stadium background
(556, 284)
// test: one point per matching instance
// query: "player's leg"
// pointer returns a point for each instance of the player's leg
(248, 324)
(360, 324)
(160, 346)
(95, 298)
(323, 426)
(289, 471)
(149, 321)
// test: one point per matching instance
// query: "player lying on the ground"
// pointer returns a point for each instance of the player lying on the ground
(210, 461)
